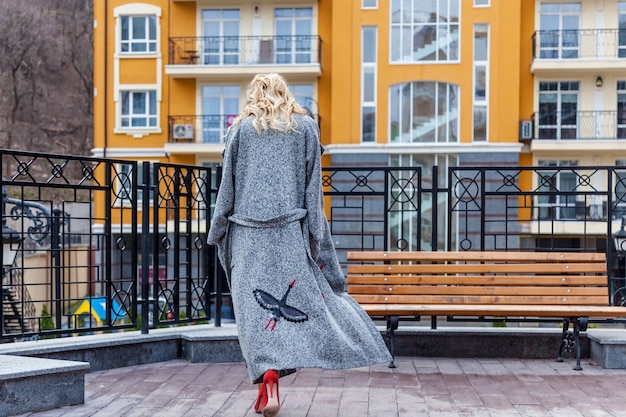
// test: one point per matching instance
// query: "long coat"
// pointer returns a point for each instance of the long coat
(274, 243)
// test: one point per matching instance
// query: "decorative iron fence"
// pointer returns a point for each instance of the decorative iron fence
(113, 245)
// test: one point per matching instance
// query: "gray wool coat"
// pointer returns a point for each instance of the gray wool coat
(275, 245)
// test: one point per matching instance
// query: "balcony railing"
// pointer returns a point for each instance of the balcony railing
(579, 125)
(207, 128)
(245, 50)
(581, 43)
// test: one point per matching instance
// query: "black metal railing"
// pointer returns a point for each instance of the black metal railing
(107, 244)
(579, 125)
(206, 128)
(579, 44)
(245, 50)
(119, 245)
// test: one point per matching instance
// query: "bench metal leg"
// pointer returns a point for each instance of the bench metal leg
(392, 326)
(565, 340)
(580, 325)
(570, 339)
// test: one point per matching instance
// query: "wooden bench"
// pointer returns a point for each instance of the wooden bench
(567, 286)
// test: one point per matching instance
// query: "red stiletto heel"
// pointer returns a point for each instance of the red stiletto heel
(260, 399)
(272, 402)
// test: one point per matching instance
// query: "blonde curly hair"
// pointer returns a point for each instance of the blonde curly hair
(270, 103)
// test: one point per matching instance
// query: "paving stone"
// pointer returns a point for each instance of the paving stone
(418, 387)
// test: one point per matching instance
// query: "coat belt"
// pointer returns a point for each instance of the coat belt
(288, 217)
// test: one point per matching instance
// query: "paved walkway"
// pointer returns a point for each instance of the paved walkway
(433, 387)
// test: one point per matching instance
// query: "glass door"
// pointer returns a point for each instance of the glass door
(220, 105)
(294, 41)
(558, 110)
(559, 30)
(220, 30)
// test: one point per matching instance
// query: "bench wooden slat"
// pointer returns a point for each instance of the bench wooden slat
(517, 280)
(478, 256)
(569, 286)
(475, 290)
(544, 300)
(561, 268)
(493, 310)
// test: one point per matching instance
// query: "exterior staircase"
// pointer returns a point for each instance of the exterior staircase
(17, 311)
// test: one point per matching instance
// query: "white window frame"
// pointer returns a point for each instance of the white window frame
(450, 116)
(621, 12)
(369, 4)
(297, 53)
(482, 3)
(225, 119)
(228, 51)
(138, 10)
(560, 45)
(151, 115)
(368, 67)
(620, 128)
(560, 92)
(481, 103)
(137, 131)
(395, 42)
(148, 42)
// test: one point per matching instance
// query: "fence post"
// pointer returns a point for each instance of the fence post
(55, 243)
(144, 188)
(217, 275)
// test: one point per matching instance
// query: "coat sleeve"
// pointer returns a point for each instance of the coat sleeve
(226, 195)
(314, 196)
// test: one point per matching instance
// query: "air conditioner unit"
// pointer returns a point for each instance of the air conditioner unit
(183, 131)
(526, 129)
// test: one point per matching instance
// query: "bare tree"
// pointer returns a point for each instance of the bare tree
(19, 47)
(46, 75)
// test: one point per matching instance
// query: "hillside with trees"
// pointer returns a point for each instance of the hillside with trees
(46, 76)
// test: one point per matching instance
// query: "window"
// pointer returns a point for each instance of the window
(558, 110)
(423, 31)
(124, 180)
(139, 109)
(479, 3)
(423, 111)
(481, 70)
(559, 30)
(303, 94)
(220, 105)
(293, 35)
(139, 34)
(558, 204)
(621, 21)
(619, 199)
(408, 228)
(369, 4)
(220, 28)
(368, 83)
(621, 110)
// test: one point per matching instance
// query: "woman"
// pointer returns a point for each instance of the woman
(274, 243)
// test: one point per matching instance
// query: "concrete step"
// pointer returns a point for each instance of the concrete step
(608, 347)
(30, 384)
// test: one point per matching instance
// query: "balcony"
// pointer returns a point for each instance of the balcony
(580, 129)
(190, 134)
(231, 57)
(563, 51)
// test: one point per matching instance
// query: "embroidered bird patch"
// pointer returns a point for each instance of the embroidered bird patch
(279, 308)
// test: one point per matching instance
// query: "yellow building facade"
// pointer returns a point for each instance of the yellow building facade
(391, 82)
